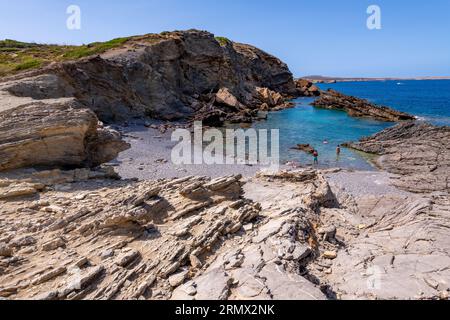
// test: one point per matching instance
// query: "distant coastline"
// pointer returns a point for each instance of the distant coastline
(324, 79)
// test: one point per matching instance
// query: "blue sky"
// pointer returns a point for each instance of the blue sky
(326, 37)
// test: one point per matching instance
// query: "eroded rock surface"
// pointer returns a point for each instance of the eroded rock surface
(418, 152)
(395, 245)
(114, 240)
(55, 133)
(190, 238)
(175, 75)
(288, 235)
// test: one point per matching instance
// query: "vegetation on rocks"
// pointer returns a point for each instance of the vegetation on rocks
(16, 56)
(192, 57)
(94, 48)
(223, 41)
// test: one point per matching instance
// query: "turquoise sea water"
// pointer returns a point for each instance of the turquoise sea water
(429, 100)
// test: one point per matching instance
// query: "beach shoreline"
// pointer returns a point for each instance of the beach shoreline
(149, 158)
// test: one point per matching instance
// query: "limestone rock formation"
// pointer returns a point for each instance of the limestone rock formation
(168, 76)
(287, 235)
(55, 133)
(223, 96)
(271, 100)
(189, 238)
(225, 107)
(418, 152)
(356, 107)
(85, 234)
(396, 245)
(115, 240)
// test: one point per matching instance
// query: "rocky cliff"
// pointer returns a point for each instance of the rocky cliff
(49, 116)
(168, 76)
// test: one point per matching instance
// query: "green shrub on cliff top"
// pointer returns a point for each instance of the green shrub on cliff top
(223, 41)
(16, 56)
(94, 48)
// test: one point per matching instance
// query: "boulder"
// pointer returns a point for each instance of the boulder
(5, 250)
(178, 278)
(225, 97)
(56, 133)
(305, 148)
(105, 146)
(307, 88)
(270, 97)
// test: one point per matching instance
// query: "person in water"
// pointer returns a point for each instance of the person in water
(338, 150)
(316, 157)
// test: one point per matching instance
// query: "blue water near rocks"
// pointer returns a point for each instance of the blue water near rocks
(429, 100)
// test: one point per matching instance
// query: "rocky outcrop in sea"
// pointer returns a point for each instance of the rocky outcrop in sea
(356, 107)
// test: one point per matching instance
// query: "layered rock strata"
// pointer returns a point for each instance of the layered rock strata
(56, 133)
(356, 107)
(150, 240)
(418, 152)
(289, 235)
(171, 76)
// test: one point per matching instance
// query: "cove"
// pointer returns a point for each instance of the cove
(305, 124)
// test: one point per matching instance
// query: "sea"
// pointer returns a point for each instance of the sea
(323, 129)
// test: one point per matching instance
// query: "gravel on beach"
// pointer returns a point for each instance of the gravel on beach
(149, 158)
